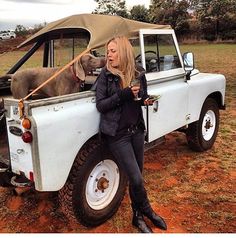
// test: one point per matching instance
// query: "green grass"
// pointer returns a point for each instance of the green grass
(8, 60)
(215, 58)
(61, 56)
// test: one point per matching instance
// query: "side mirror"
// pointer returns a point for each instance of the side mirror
(188, 60)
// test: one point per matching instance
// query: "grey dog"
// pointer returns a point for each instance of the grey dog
(69, 81)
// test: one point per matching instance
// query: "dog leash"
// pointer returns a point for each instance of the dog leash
(21, 102)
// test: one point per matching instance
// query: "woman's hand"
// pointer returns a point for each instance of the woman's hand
(135, 90)
(151, 99)
(148, 102)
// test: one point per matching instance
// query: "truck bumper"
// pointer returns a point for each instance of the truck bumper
(9, 179)
(5, 176)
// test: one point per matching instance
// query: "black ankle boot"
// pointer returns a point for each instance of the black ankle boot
(155, 219)
(139, 222)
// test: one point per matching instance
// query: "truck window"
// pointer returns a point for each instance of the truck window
(63, 50)
(160, 53)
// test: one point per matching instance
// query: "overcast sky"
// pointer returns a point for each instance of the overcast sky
(29, 13)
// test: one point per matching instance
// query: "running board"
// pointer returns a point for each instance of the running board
(154, 143)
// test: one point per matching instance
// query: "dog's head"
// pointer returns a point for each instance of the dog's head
(88, 63)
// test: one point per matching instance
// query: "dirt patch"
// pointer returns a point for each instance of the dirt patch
(11, 44)
(193, 192)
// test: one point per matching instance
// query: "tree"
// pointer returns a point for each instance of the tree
(112, 7)
(173, 12)
(139, 13)
(20, 30)
(216, 17)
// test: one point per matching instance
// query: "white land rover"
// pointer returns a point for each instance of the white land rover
(54, 143)
(7, 35)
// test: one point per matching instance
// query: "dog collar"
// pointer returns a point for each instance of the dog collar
(73, 74)
(77, 79)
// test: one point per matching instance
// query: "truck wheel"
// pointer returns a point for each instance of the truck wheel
(95, 187)
(2, 119)
(201, 134)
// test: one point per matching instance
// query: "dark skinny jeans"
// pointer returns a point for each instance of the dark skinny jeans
(128, 151)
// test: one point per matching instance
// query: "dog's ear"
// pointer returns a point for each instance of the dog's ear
(79, 71)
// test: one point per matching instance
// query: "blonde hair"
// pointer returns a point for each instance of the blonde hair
(126, 61)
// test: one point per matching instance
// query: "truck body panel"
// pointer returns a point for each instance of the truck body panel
(66, 124)
(160, 117)
(201, 86)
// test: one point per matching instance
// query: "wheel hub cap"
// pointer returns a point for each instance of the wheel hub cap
(208, 125)
(102, 184)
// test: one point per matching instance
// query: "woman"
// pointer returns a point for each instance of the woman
(122, 125)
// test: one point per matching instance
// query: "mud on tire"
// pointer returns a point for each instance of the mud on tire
(201, 134)
(95, 187)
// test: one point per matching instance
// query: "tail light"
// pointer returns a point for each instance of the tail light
(26, 123)
(27, 137)
(31, 175)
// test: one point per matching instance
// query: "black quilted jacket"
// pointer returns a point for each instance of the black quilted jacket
(110, 97)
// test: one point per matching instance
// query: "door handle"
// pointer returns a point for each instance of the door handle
(155, 106)
(155, 102)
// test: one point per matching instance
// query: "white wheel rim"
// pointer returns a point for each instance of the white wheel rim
(208, 125)
(102, 184)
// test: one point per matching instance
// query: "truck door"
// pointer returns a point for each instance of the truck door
(161, 58)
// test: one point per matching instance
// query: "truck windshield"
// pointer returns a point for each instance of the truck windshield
(160, 53)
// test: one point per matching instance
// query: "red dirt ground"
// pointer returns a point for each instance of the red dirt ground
(194, 192)
(11, 44)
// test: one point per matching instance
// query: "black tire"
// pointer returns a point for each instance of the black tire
(201, 134)
(2, 119)
(86, 182)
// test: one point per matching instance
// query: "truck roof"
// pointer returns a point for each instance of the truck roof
(98, 28)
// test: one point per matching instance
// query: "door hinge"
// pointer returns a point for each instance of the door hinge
(188, 116)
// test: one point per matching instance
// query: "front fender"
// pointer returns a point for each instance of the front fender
(201, 86)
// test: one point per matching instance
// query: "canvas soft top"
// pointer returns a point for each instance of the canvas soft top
(99, 28)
